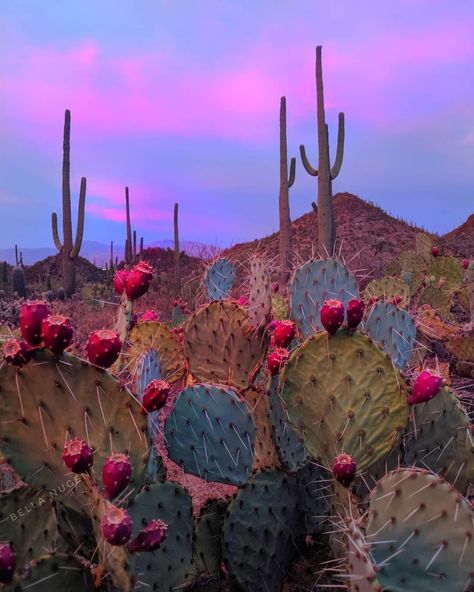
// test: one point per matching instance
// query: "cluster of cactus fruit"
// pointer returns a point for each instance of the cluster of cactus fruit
(317, 418)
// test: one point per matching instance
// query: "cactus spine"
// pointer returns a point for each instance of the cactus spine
(324, 172)
(177, 271)
(286, 232)
(70, 250)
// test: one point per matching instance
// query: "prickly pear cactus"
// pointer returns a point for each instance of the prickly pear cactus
(344, 395)
(219, 279)
(265, 454)
(221, 345)
(280, 310)
(422, 533)
(211, 434)
(315, 496)
(432, 325)
(423, 247)
(260, 292)
(394, 330)
(438, 298)
(312, 284)
(387, 289)
(52, 399)
(360, 569)
(439, 439)
(462, 347)
(208, 548)
(447, 273)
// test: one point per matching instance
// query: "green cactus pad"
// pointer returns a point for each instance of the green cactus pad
(77, 530)
(394, 330)
(280, 310)
(387, 289)
(422, 533)
(259, 530)
(439, 439)
(438, 298)
(52, 399)
(208, 548)
(219, 279)
(171, 566)
(315, 494)
(344, 395)
(423, 246)
(265, 454)
(222, 346)
(210, 433)
(447, 272)
(312, 284)
(154, 335)
(260, 292)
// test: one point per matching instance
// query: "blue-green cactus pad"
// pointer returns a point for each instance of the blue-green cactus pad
(219, 279)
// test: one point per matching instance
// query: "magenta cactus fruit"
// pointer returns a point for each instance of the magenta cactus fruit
(138, 280)
(120, 279)
(243, 301)
(103, 347)
(465, 263)
(150, 538)
(149, 315)
(434, 251)
(427, 385)
(57, 333)
(284, 333)
(117, 526)
(32, 315)
(355, 313)
(16, 352)
(277, 359)
(7, 563)
(155, 395)
(344, 469)
(78, 455)
(332, 315)
(116, 474)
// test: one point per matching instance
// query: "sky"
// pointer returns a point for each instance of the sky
(179, 100)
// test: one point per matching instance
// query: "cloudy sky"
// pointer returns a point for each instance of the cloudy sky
(179, 99)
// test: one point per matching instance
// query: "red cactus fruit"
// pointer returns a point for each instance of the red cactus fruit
(16, 352)
(272, 325)
(150, 538)
(120, 279)
(78, 455)
(277, 359)
(332, 315)
(284, 333)
(117, 526)
(116, 474)
(103, 347)
(31, 316)
(243, 301)
(434, 251)
(155, 395)
(344, 469)
(465, 263)
(138, 280)
(427, 385)
(7, 563)
(57, 332)
(149, 315)
(355, 312)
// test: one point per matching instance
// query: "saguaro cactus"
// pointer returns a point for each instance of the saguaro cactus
(286, 233)
(69, 250)
(128, 243)
(177, 271)
(324, 172)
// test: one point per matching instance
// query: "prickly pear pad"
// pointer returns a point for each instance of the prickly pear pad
(211, 434)
(265, 454)
(312, 284)
(52, 399)
(222, 346)
(388, 288)
(219, 279)
(208, 548)
(58, 572)
(422, 531)
(344, 395)
(260, 292)
(361, 574)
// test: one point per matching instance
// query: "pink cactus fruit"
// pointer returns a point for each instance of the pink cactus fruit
(117, 526)
(355, 313)
(426, 386)
(78, 455)
(120, 280)
(150, 538)
(138, 280)
(332, 315)
(155, 395)
(116, 474)
(57, 333)
(16, 352)
(32, 315)
(344, 469)
(284, 333)
(103, 347)
(277, 359)
(7, 563)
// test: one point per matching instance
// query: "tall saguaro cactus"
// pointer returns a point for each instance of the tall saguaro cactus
(128, 243)
(286, 232)
(177, 270)
(70, 250)
(324, 172)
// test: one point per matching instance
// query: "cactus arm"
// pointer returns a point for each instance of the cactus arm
(304, 159)
(291, 178)
(340, 148)
(54, 225)
(80, 220)
(314, 205)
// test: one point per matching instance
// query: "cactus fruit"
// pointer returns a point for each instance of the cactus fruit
(78, 455)
(138, 280)
(116, 474)
(148, 315)
(120, 281)
(344, 395)
(260, 292)
(344, 469)
(434, 251)
(312, 284)
(422, 534)
(103, 347)
(465, 263)
(150, 538)
(116, 526)
(283, 333)
(56, 333)
(355, 313)
(277, 360)
(219, 279)
(332, 315)
(211, 434)
(155, 395)
(426, 386)
(16, 352)
(7, 563)
(32, 315)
